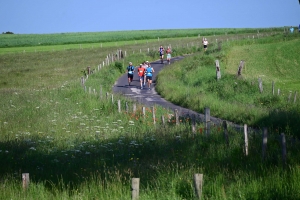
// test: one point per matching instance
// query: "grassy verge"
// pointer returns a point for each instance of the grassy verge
(192, 83)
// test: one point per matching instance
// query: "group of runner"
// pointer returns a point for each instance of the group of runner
(145, 73)
(162, 52)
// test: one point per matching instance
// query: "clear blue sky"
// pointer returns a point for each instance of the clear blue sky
(61, 16)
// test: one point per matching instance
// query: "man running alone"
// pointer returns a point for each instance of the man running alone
(130, 70)
(141, 74)
(149, 72)
(205, 44)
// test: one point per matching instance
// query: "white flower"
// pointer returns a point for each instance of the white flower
(32, 148)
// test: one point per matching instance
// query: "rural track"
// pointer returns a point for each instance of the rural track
(151, 97)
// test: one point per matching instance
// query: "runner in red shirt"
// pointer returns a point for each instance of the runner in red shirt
(141, 74)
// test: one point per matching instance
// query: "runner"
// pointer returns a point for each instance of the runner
(149, 72)
(161, 53)
(168, 51)
(145, 65)
(130, 70)
(205, 43)
(141, 74)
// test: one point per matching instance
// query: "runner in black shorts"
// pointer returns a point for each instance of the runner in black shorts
(130, 71)
(161, 53)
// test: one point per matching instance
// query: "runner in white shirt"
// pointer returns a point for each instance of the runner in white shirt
(205, 43)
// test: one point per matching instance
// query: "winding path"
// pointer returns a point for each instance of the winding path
(151, 98)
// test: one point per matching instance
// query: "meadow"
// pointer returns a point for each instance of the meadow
(26, 40)
(76, 145)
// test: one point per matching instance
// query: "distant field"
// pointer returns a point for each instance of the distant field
(25, 40)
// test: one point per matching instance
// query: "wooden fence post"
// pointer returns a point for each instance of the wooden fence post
(153, 115)
(193, 124)
(119, 106)
(144, 112)
(207, 120)
(273, 87)
(246, 139)
(134, 108)
(126, 107)
(89, 70)
(218, 70)
(225, 132)
(163, 119)
(295, 97)
(283, 149)
(264, 144)
(260, 85)
(239, 73)
(112, 98)
(176, 117)
(135, 184)
(25, 180)
(198, 183)
(82, 81)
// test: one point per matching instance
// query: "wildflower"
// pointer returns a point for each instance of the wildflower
(32, 148)
(200, 130)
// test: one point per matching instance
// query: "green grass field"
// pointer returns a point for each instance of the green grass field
(76, 145)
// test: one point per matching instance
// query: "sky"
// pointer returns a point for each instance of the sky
(65, 16)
